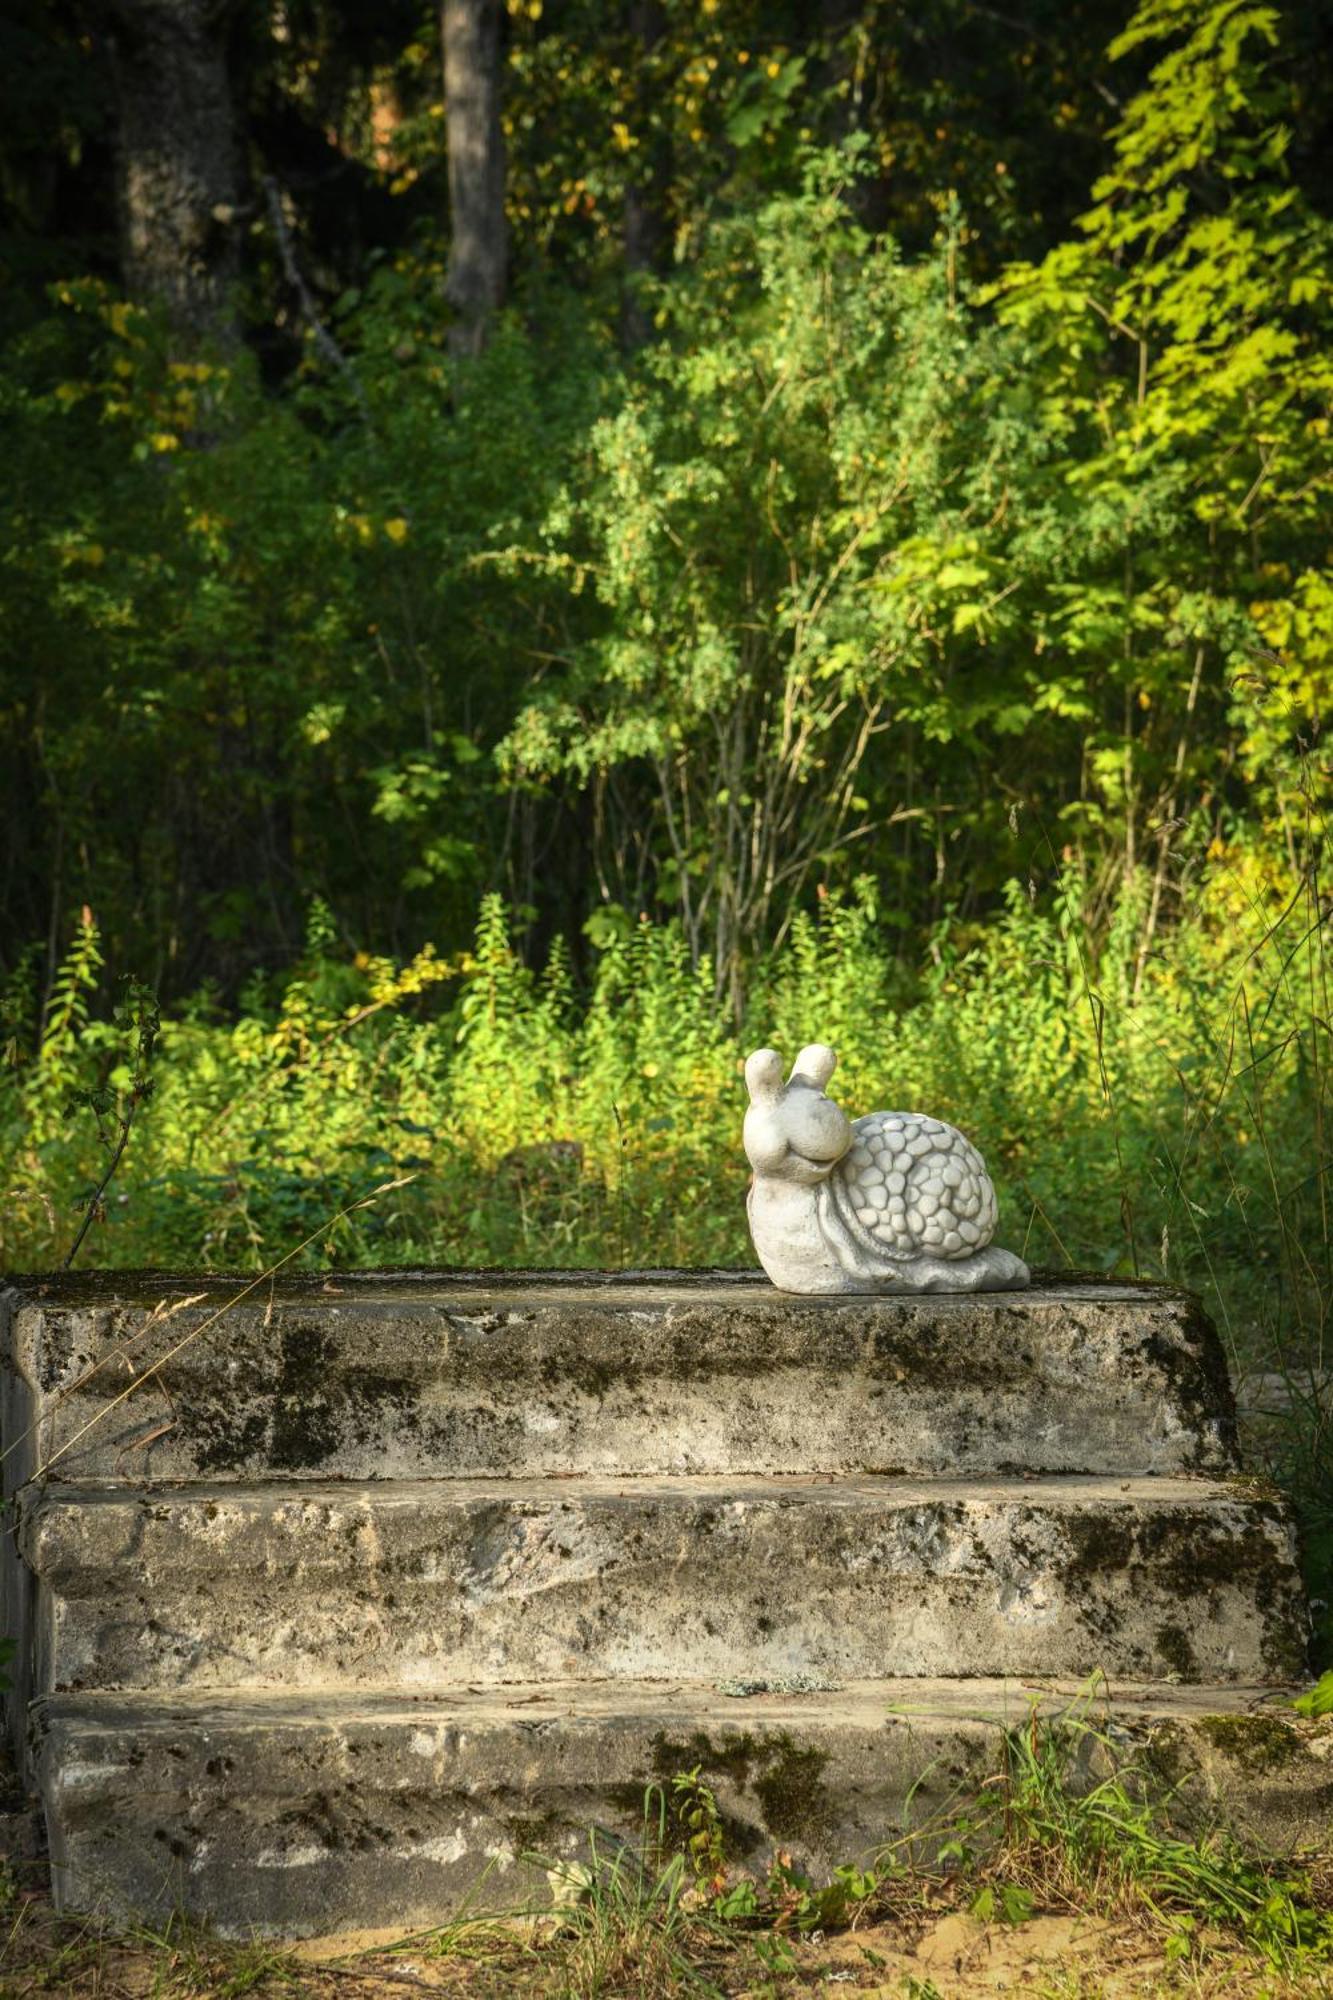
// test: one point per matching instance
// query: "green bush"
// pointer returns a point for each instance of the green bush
(1165, 1130)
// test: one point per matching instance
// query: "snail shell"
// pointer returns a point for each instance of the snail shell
(911, 1186)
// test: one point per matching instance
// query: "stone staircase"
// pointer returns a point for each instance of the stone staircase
(382, 1583)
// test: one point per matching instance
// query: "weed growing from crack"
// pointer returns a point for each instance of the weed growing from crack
(1048, 1831)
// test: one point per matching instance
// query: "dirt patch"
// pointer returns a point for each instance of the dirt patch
(946, 1955)
(1052, 1955)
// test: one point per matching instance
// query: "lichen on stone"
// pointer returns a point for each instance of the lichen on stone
(798, 1683)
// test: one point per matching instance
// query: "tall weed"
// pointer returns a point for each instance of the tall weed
(1196, 1105)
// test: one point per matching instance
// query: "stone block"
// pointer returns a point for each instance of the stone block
(444, 1375)
(444, 1582)
(296, 1815)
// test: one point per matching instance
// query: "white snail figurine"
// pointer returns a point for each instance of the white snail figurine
(892, 1202)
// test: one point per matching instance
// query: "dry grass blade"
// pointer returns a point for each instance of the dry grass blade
(145, 1438)
(160, 1314)
(351, 1208)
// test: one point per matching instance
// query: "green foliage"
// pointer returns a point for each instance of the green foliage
(848, 570)
(694, 1805)
(1004, 1902)
(278, 602)
(626, 1913)
(776, 548)
(1178, 351)
(1070, 1818)
(115, 1101)
(1319, 1700)
(711, 104)
(1188, 1103)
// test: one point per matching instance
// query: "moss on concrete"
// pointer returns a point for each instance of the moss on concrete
(792, 1792)
(1255, 1742)
(536, 1835)
(1173, 1644)
(786, 1778)
(733, 1756)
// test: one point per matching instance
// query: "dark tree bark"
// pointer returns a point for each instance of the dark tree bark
(478, 253)
(646, 231)
(868, 199)
(178, 167)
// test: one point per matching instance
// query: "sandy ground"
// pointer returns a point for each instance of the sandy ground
(943, 1957)
(1059, 1957)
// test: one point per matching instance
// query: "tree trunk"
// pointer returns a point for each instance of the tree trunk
(646, 233)
(479, 249)
(178, 170)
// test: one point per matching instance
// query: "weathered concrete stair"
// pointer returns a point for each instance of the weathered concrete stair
(282, 1814)
(485, 1376)
(439, 1583)
(378, 1582)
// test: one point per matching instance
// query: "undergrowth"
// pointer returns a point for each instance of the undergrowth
(1175, 1131)
(1069, 1824)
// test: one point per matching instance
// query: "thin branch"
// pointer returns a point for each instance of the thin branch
(324, 340)
(94, 1206)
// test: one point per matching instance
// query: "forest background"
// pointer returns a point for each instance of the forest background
(548, 544)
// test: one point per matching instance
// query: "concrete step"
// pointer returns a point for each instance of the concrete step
(477, 1375)
(292, 1814)
(434, 1583)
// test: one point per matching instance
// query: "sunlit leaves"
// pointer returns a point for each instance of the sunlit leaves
(1183, 344)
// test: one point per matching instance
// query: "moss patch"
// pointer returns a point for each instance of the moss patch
(786, 1778)
(796, 1801)
(1255, 1742)
(1173, 1644)
(733, 1757)
(535, 1834)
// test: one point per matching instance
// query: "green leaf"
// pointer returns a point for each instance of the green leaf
(1016, 1904)
(960, 575)
(1318, 1700)
(738, 1903)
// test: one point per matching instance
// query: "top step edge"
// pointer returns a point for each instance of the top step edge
(81, 1290)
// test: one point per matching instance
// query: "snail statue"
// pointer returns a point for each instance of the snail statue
(892, 1202)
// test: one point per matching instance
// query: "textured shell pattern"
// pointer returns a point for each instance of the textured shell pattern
(915, 1186)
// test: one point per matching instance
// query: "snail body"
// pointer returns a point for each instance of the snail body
(895, 1201)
